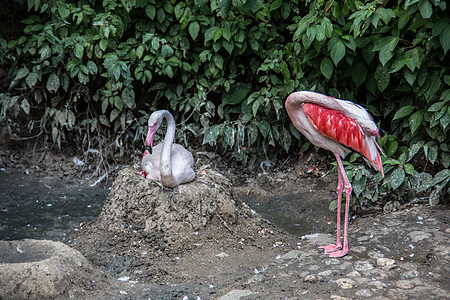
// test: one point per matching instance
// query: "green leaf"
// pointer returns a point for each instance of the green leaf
(415, 121)
(391, 148)
(403, 112)
(140, 51)
(237, 93)
(118, 102)
(409, 169)
(150, 11)
(64, 12)
(441, 176)
(78, 51)
(359, 73)
(444, 38)
(382, 77)
(92, 67)
(128, 98)
(211, 134)
(31, 79)
(229, 135)
(194, 29)
(337, 52)
(114, 114)
(104, 120)
(25, 106)
(22, 73)
(276, 4)
(397, 178)
(436, 106)
(264, 127)
(426, 9)
(53, 83)
(326, 67)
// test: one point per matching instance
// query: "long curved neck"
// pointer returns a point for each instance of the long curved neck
(167, 178)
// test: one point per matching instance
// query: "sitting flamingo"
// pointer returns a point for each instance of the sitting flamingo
(171, 164)
(335, 124)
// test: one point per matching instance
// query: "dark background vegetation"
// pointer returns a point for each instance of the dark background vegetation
(90, 72)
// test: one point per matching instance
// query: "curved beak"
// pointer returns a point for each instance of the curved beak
(150, 135)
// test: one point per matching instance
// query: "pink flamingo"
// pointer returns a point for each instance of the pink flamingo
(331, 124)
(169, 163)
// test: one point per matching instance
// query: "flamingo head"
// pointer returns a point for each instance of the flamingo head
(153, 124)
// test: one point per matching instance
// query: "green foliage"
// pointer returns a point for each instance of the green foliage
(96, 68)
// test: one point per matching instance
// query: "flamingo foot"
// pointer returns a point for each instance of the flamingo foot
(331, 248)
(339, 253)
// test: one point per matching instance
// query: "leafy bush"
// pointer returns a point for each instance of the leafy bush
(94, 70)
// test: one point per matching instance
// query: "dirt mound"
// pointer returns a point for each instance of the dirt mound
(42, 269)
(142, 221)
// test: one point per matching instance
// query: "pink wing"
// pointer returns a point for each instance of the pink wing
(341, 128)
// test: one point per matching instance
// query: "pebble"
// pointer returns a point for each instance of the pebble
(354, 274)
(417, 236)
(363, 265)
(332, 261)
(346, 283)
(447, 230)
(404, 284)
(364, 293)
(293, 254)
(312, 278)
(382, 261)
(410, 274)
(337, 297)
(222, 255)
(235, 294)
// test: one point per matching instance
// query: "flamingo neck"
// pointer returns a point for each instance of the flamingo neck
(167, 178)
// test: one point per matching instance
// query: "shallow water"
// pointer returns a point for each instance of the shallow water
(43, 207)
(48, 208)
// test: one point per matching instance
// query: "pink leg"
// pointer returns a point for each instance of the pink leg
(348, 192)
(340, 187)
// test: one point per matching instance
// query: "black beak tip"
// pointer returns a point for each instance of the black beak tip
(381, 133)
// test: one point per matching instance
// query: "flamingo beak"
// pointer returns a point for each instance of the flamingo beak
(150, 135)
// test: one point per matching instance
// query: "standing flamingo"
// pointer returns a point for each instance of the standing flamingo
(171, 164)
(331, 124)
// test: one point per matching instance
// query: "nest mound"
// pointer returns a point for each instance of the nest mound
(140, 203)
(143, 221)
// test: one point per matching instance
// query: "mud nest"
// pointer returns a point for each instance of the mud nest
(142, 220)
(139, 203)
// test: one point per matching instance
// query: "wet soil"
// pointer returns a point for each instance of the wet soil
(263, 247)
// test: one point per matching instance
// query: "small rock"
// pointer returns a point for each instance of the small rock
(346, 283)
(447, 230)
(327, 273)
(332, 261)
(354, 274)
(363, 265)
(255, 278)
(293, 254)
(393, 223)
(417, 236)
(235, 294)
(312, 278)
(314, 268)
(410, 274)
(359, 249)
(375, 255)
(337, 297)
(363, 293)
(222, 255)
(404, 284)
(383, 261)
